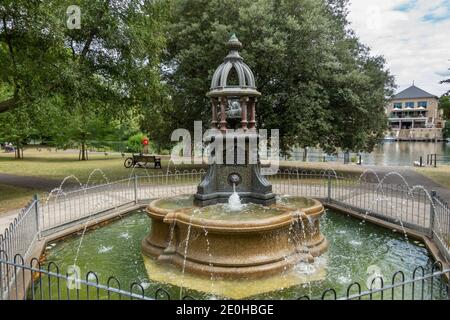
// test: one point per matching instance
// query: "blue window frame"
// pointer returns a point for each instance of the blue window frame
(422, 104)
(397, 105)
(409, 104)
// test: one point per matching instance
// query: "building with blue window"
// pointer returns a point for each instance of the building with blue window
(414, 113)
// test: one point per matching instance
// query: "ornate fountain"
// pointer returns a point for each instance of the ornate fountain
(202, 234)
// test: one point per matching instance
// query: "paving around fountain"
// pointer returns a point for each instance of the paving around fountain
(231, 230)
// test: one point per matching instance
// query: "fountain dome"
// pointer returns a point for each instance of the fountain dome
(220, 83)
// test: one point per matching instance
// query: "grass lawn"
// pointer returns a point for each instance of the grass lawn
(440, 174)
(58, 165)
(14, 197)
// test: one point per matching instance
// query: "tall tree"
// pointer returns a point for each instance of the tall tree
(107, 67)
(114, 59)
(320, 85)
(31, 49)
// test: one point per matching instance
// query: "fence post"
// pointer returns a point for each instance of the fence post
(36, 212)
(432, 212)
(136, 200)
(329, 188)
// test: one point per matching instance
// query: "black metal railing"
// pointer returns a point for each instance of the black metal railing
(21, 281)
(411, 207)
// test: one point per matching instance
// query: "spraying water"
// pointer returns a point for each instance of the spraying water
(234, 201)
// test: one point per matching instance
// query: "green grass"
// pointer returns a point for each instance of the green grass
(58, 165)
(439, 175)
(14, 197)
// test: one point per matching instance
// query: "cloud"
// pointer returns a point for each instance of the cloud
(413, 35)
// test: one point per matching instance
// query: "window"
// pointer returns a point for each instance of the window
(409, 104)
(398, 105)
(422, 104)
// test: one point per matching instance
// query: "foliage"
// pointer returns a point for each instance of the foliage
(446, 131)
(320, 86)
(104, 71)
(448, 82)
(444, 105)
(134, 143)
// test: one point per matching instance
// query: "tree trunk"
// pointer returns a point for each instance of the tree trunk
(305, 154)
(83, 152)
(18, 153)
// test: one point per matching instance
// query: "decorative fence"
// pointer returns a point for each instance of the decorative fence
(414, 208)
(49, 284)
(20, 236)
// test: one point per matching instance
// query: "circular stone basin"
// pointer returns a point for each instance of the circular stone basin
(253, 242)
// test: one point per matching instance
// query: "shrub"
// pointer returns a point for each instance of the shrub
(134, 143)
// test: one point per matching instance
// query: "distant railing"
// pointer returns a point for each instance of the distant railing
(434, 159)
(414, 208)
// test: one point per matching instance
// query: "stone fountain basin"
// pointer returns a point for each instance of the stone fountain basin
(235, 248)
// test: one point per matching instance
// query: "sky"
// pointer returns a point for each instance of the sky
(412, 35)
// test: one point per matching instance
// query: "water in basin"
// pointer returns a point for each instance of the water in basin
(176, 202)
(297, 202)
(249, 211)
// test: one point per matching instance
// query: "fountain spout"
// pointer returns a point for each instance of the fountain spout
(234, 201)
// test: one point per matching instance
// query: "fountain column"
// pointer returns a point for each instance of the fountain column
(214, 112)
(244, 113)
(252, 123)
(223, 119)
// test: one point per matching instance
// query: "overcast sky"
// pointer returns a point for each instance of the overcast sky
(413, 36)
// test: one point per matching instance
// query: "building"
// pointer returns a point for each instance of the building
(414, 115)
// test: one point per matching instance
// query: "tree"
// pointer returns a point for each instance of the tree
(320, 85)
(444, 105)
(30, 50)
(107, 68)
(16, 129)
(115, 59)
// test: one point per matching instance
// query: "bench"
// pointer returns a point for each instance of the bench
(141, 160)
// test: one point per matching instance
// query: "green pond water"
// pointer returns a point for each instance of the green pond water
(357, 249)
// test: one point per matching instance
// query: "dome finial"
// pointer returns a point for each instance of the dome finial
(234, 43)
